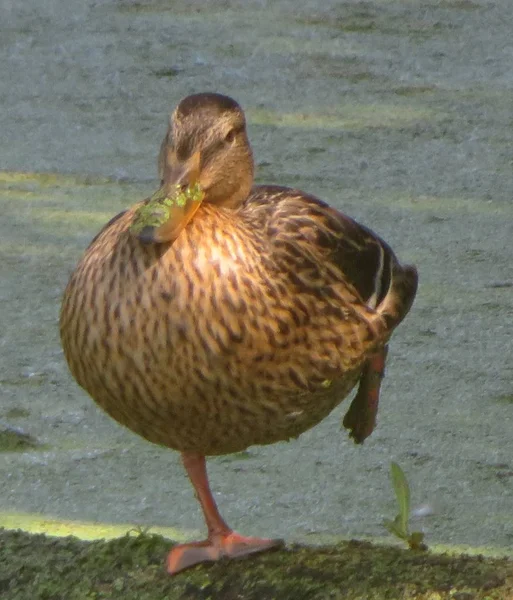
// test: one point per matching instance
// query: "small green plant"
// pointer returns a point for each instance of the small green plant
(139, 530)
(399, 526)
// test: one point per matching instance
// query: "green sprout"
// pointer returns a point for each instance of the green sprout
(139, 530)
(399, 526)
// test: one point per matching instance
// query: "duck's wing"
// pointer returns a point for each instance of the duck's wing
(325, 241)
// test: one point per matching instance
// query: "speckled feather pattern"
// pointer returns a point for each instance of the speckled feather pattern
(248, 329)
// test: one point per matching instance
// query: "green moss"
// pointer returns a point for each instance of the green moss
(459, 4)
(362, 21)
(355, 116)
(505, 399)
(167, 73)
(50, 180)
(414, 90)
(17, 413)
(13, 439)
(36, 566)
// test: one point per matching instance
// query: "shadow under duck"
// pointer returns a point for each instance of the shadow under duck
(244, 318)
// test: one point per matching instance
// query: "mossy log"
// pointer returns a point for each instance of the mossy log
(132, 567)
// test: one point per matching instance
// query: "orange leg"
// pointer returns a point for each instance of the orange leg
(221, 541)
(360, 419)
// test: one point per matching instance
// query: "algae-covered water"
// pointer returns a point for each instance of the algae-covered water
(400, 114)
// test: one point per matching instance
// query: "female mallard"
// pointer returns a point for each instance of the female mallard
(242, 317)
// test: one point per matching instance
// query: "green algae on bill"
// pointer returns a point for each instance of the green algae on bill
(164, 215)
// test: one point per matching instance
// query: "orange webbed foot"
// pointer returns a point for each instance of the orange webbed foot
(231, 545)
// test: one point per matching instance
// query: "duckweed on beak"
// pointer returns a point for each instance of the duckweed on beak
(166, 213)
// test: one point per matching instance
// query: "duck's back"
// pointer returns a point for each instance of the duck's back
(248, 329)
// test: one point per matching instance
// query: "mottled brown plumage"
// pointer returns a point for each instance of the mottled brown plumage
(250, 327)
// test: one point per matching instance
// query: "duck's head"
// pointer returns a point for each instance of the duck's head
(204, 158)
(207, 144)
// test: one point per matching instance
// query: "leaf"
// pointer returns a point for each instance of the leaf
(402, 492)
(395, 529)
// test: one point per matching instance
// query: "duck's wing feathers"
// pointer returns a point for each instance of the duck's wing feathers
(327, 245)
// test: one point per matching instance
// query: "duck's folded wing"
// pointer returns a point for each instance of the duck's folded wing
(326, 245)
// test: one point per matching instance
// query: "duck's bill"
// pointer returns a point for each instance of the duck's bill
(168, 211)
(162, 220)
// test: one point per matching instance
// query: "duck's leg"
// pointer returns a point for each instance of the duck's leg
(222, 541)
(360, 419)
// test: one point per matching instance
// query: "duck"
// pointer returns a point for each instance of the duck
(241, 316)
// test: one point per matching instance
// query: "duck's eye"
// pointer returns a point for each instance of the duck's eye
(230, 136)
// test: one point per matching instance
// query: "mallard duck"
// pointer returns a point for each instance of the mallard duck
(242, 320)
